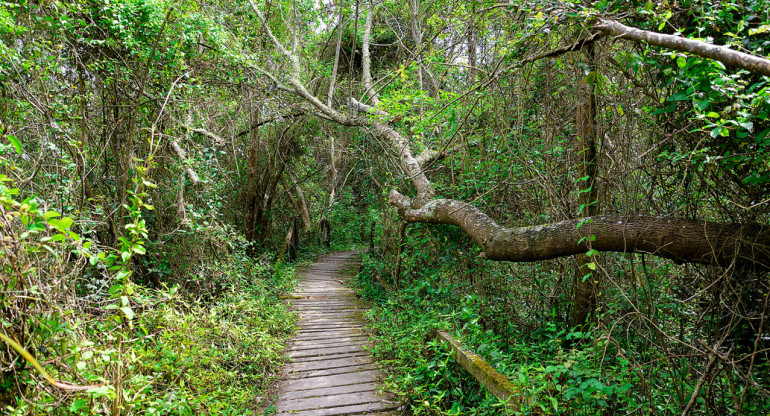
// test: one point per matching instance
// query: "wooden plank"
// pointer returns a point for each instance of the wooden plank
(301, 346)
(333, 356)
(329, 350)
(368, 376)
(331, 371)
(332, 400)
(355, 388)
(361, 409)
(496, 383)
(336, 338)
(330, 363)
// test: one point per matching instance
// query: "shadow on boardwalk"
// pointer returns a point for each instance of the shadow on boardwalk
(330, 372)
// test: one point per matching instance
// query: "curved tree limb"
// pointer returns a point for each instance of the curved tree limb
(561, 51)
(680, 239)
(722, 54)
(180, 152)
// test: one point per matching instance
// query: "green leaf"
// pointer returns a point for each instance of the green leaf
(62, 224)
(128, 312)
(681, 62)
(139, 249)
(77, 404)
(759, 30)
(15, 142)
(762, 135)
(680, 96)
(712, 114)
(591, 265)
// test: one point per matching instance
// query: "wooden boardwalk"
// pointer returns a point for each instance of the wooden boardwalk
(330, 373)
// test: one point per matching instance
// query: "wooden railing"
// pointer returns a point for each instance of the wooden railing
(496, 383)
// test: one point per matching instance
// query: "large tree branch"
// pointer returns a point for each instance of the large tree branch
(580, 44)
(427, 156)
(722, 54)
(183, 157)
(367, 109)
(679, 239)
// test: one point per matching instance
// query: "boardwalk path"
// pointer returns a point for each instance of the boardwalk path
(330, 373)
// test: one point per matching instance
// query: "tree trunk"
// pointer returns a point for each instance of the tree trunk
(299, 202)
(366, 59)
(290, 243)
(252, 180)
(336, 56)
(305, 213)
(586, 279)
(470, 40)
(401, 239)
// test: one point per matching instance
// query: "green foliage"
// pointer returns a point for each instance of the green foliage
(213, 348)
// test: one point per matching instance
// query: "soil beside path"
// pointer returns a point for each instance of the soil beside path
(330, 373)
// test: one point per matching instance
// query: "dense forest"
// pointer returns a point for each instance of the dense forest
(580, 191)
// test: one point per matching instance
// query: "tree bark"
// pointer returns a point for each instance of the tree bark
(252, 179)
(183, 157)
(680, 239)
(470, 40)
(585, 279)
(722, 54)
(336, 56)
(290, 244)
(366, 59)
(304, 212)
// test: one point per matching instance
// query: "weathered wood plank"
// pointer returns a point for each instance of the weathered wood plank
(302, 346)
(496, 383)
(331, 363)
(331, 371)
(367, 376)
(328, 350)
(329, 340)
(355, 410)
(333, 356)
(332, 401)
(355, 388)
